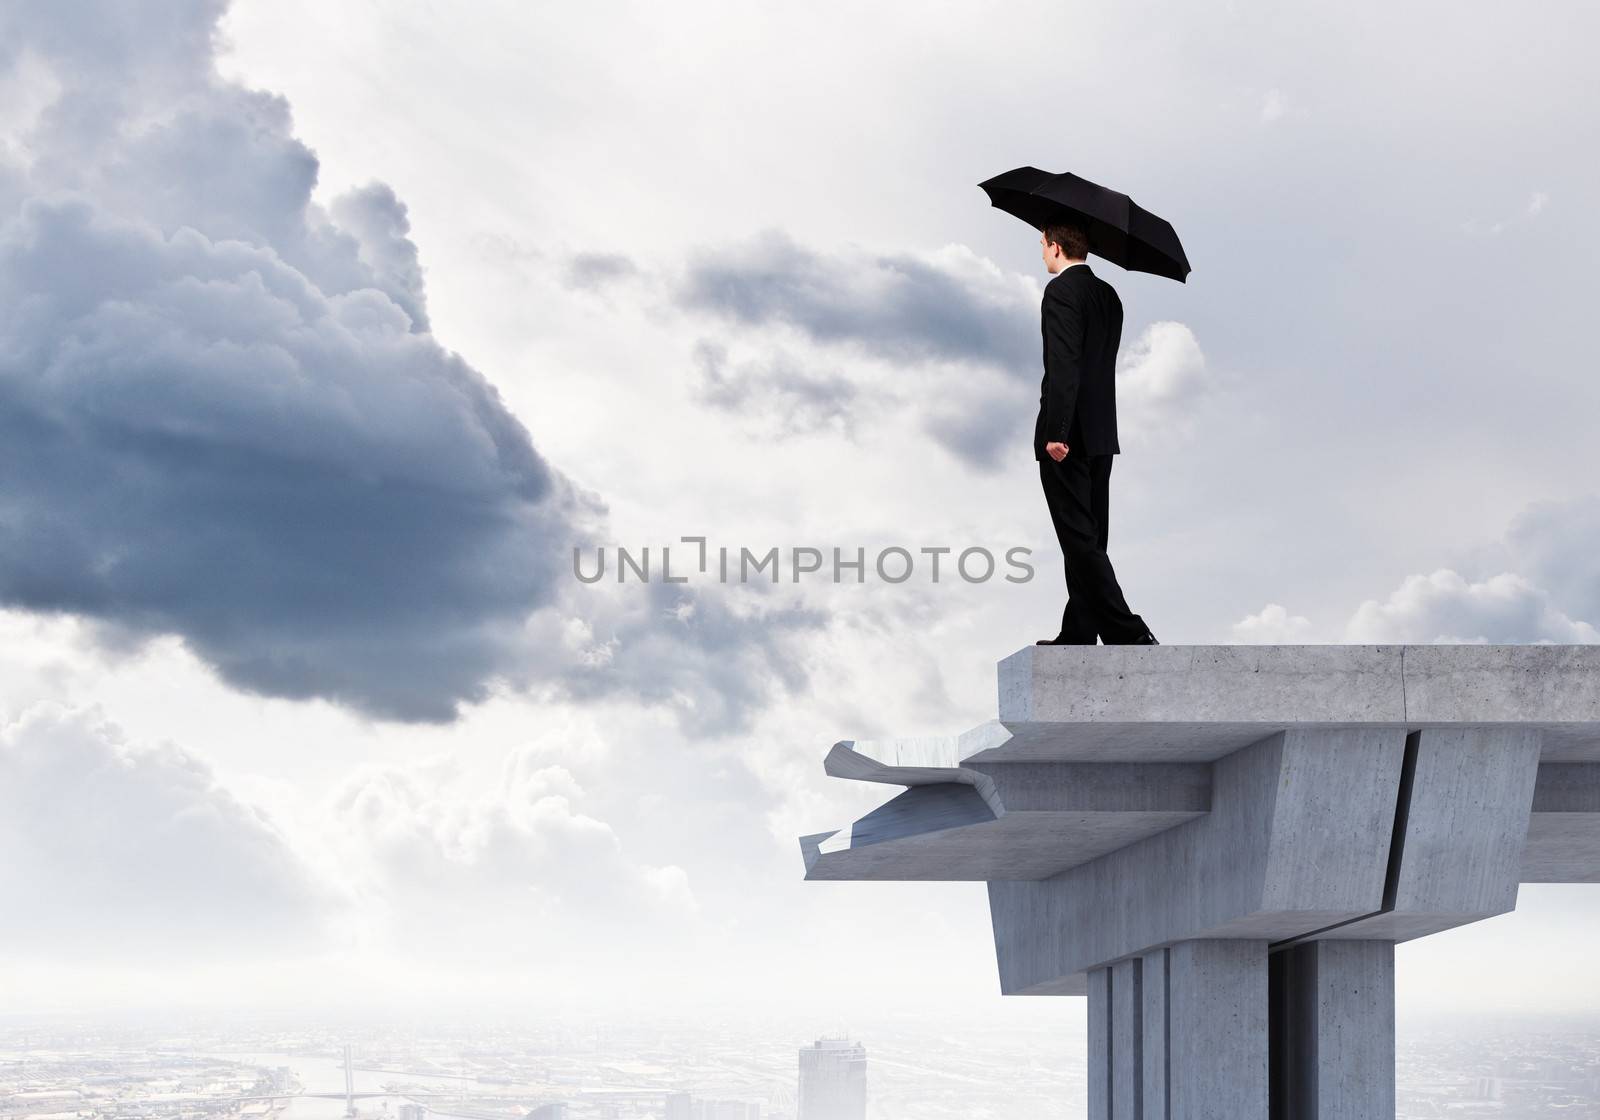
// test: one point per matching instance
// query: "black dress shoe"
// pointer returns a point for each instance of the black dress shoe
(1148, 639)
(1058, 640)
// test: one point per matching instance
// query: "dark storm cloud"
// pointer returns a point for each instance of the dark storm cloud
(198, 441)
(893, 306)
(222, 415)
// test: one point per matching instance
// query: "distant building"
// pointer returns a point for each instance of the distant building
(833, 1080)
(555, 1110)
(682, 1106)
(726, 1110)
(413, 1111)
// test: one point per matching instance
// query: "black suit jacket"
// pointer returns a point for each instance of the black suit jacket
(1081, 322)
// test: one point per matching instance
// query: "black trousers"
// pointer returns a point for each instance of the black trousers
(1078, 491)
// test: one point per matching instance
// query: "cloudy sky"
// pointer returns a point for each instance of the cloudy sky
(331, 329)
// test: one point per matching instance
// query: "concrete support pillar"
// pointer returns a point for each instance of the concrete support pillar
(1181, 1033)
(1100, 1034)
(1218, 999)
(1332, 1031)
(1154, 973)
(1127, 1040)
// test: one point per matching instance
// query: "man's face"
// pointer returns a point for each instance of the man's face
(1049, 252)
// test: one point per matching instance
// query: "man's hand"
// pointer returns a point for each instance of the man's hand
(1056, 451)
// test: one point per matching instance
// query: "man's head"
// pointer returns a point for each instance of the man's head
(1063, 243)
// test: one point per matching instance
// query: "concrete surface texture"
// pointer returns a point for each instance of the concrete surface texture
(1220, 846)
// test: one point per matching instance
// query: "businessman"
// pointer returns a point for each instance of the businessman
(1075, 438)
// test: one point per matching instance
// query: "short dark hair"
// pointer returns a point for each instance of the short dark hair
(1070, 237)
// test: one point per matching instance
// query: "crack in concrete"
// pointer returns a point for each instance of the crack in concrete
(1405, 709)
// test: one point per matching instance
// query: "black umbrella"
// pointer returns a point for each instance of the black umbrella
(1120, 230)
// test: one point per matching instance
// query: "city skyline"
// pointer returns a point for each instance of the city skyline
(1514, 1070)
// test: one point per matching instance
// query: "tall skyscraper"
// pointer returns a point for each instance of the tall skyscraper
(833, 1080)
(349, 1083)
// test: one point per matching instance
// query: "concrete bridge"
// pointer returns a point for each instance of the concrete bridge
(1221, 845)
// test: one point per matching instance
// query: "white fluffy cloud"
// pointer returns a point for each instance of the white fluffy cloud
(1272, 625)
(1550, 593)
(133, 852)
(120, 850)
(1162, 374)
(519, 869)
(1446, 607)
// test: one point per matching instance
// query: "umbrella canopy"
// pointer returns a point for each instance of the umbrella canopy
(1120, 230)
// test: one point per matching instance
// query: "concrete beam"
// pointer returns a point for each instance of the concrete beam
(899, 760)
(1101, 787)
(1102, 806)
(1563, 844)
(1461, 831)
(1005, 820)
(1201, 684)
(1546, 686)
(1199, 703)
(1297, 840)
